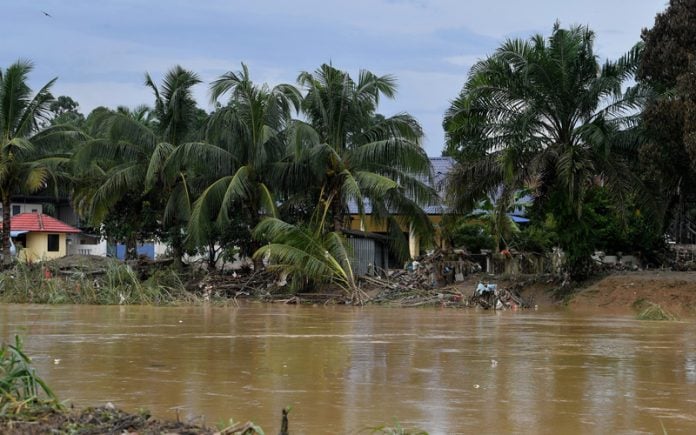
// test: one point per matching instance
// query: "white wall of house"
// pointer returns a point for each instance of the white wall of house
(81, 244)
(18, 208)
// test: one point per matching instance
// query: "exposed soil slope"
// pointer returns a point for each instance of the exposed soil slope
(622, 292)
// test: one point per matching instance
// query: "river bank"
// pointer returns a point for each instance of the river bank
(620, 292)
(87, 280)
(625, 292)
(106, 419)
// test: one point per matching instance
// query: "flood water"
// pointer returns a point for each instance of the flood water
(346, 369)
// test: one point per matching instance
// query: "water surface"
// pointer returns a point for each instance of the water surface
(345, 369)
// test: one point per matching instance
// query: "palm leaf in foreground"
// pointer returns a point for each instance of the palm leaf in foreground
(307, 256)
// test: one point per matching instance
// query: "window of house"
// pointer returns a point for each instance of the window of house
(53, 242)
(16, 210)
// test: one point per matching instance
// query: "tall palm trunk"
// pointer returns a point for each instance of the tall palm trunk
(338, 217)
(212, 256)
(255, 245)
(177, 245)
(131, 247)
(6, 228)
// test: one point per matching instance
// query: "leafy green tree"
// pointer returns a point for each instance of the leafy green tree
(111, 170)
(668, 65)
(461, 232)
(65, 111)
(496, 216)
(29, 156)
(345, 153)
(543, 114)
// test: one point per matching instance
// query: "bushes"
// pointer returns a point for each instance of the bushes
(117, 284)
(20, 386)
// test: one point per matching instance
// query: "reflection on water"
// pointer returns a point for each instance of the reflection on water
(344, 369)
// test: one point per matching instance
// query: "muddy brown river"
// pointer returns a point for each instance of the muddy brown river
(347, 369)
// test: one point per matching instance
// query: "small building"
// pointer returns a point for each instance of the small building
(40, 237)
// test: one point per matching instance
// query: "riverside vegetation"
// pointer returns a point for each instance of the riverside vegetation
(277, 173)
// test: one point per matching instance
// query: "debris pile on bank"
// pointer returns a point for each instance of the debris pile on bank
(245, 283)
(431, 280)
(108, 419)
(87, 265)
(434, 279)
(489, 296)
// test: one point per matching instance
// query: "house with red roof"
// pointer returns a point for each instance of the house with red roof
(40, 237)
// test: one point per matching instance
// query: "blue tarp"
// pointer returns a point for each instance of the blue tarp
(17, 233)
(147, 249)
(518, 219)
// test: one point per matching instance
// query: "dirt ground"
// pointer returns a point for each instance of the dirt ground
(617, 293)
(92, 421)
(622, 292)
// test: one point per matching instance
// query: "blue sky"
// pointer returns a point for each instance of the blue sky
(100, 50)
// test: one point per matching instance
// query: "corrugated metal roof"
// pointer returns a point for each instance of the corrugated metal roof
(41, 223)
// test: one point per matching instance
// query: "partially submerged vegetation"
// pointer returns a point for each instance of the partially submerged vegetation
(651, 311)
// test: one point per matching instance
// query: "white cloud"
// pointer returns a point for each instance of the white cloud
(91, 94)
(466, 60)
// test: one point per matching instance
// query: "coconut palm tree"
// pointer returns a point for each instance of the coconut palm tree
(244, 139)
(544, 113)
(496, 215)
(125, 162)
(359, 156)
(29, 155)
(175, 108)
(308, 256)
(346, 154)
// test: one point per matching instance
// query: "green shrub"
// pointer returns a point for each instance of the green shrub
(654, 312)
(20, 386)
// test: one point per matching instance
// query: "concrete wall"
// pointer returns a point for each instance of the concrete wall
(81, 244)
(37, 247)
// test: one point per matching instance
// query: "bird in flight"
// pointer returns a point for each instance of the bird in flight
(47, 14)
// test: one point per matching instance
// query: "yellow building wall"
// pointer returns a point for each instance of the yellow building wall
(37, 247)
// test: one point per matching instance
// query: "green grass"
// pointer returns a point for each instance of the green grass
(118, 284)
(651, 311)
(20, 386)
(397, 429)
